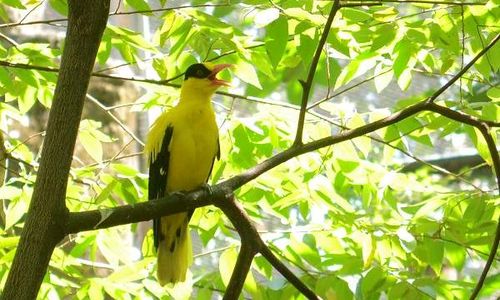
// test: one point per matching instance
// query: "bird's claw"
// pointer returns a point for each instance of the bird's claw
(179, 194)
(208, 188)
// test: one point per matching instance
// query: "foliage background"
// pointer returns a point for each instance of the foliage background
(350, 218)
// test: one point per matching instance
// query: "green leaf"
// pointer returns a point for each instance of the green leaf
(491, 111)
(406, 239)
(383, 76)
(8, 257)
(372, 281)
(494, 94)
(91, 144)
(9, 242)
(435, 251)
(399, 291)
(357, 67)
(104, 50)
(27, 76)
(125, 171)
(306, 47)
(45, 95)
(355, 15)
(15, 211)
(14, 3)
(303, 15)
(305, 251)
(95, 290)
(388, 14)
(385, 37)
(404, 79)
(27, 98)
(246, 72)
(430, 206)
(266, 16)
(227, 261)
(480, 143)
(106, 192)
(6, 80)
(332, 287)
(403, 52)
(456, 255)
(276, 39)
(61, 6)
(131, 272)
(138, 5)
(368, 249)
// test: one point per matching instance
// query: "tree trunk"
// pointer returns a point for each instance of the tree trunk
(44, 226)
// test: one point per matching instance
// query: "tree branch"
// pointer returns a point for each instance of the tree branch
(494, 247)
(144, 211)
(222, 191)
(460, 116)
(464, 69)
(43, 227)
(286, 272)
(306, 85)
(240, 270)
(251, 243)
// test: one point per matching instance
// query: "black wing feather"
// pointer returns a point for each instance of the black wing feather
(158, 171)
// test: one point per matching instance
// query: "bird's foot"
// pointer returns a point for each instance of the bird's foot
(177, 193)
(208, 188)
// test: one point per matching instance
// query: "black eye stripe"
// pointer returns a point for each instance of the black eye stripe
(197, 71)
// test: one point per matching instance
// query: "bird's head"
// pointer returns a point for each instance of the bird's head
(202, 78)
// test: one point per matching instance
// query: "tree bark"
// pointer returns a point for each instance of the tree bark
(47, 214)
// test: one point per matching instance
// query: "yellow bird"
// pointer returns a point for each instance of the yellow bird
(181, 148)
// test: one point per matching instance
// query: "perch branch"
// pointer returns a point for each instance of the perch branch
(145, 211)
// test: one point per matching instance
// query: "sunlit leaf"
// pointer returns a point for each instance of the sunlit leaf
(277, 37)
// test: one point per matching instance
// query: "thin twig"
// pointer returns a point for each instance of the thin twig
(20, 23)
(347, 89)
(464, 69)
(149, 11)
(362, 3)
(31, 11)
(432, 2)
(306, 85)
(120, 123)
(286, 272)
(9, 40)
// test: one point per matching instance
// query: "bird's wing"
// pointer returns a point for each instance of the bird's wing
(158, 171)
(217, 156)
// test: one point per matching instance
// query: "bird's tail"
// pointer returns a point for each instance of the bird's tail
(174, 250)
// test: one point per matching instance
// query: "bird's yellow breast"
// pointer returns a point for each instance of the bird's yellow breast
(193, 145)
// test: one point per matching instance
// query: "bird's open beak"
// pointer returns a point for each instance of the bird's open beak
(213, 75)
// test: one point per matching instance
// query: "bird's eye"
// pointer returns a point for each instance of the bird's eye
(199, 73)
